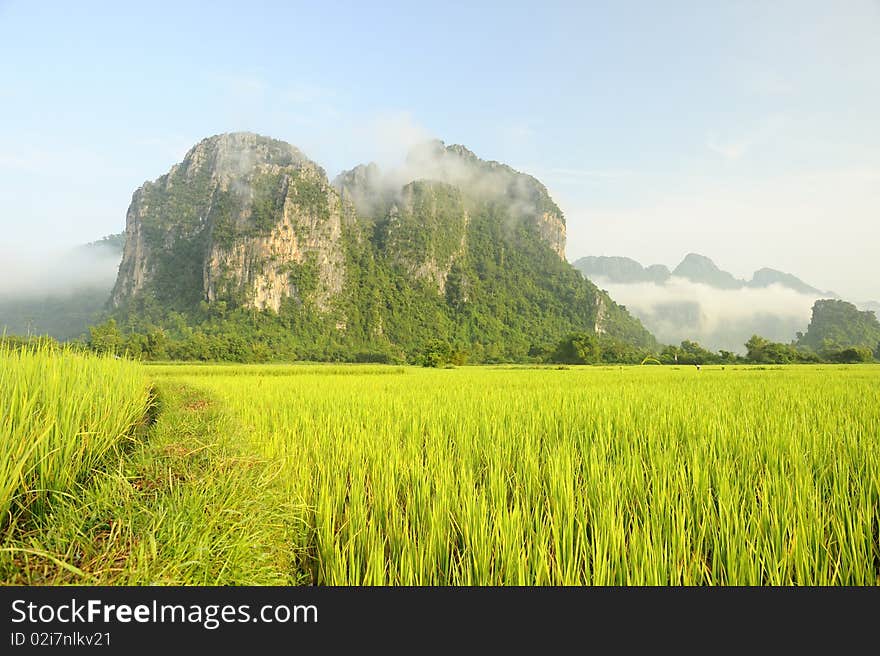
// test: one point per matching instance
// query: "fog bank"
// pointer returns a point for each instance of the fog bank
(58, 273)
(716, 318)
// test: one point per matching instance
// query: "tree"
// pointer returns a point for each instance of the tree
(851, 355)
(106, 338)
(728, 356)
(578, 348)
(841, 324)
(761, 350)
(692, 353)
(756, 348)
(436, 353)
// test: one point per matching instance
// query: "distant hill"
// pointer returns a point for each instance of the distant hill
(699, 268)
(620, 269)
(766, 277)
(694, 267)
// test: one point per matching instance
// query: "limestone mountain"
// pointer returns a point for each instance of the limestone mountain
(838, 324)
(620, 269)
(450, 247)
(766, 277)
(232, 222)
(699, 268)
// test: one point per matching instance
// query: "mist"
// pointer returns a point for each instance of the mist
(58, 273)
(681, 309)
(420, 157)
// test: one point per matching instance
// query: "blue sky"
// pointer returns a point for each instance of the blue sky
(747, 131)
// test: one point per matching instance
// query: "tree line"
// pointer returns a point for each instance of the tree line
(261, 345)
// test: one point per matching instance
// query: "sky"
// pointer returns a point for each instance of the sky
(745, 131)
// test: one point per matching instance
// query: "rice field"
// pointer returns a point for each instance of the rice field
(62, 414)
(601, 476)
(379, 475)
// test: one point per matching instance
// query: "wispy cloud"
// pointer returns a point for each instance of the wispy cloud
(717, 318)
(56, 273)
(518, 133)
(729, 149)
(390, 135)
(242, 84)
(174, 146)
(769, 83)
(52, 161)
(591, 174)
(736, 147)
(302, 93)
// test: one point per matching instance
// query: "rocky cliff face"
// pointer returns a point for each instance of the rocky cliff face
(301, 228)
(251, 220)
(236, 220)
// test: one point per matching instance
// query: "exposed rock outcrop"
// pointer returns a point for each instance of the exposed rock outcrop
(234, 220)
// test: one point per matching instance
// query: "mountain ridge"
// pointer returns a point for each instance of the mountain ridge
(694, 267)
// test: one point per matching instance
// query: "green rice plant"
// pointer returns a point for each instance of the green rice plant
(609, 476)
(62, 413)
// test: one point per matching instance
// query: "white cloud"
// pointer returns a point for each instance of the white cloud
(390, 135)
(681, 309)
(728, 149)
(57, 272)
(760, 134)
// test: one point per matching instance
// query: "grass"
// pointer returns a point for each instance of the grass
(186, 506)
(482, 476)
(62, 415)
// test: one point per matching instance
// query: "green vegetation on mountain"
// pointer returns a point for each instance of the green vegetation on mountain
(839, 325)
(245, 251)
